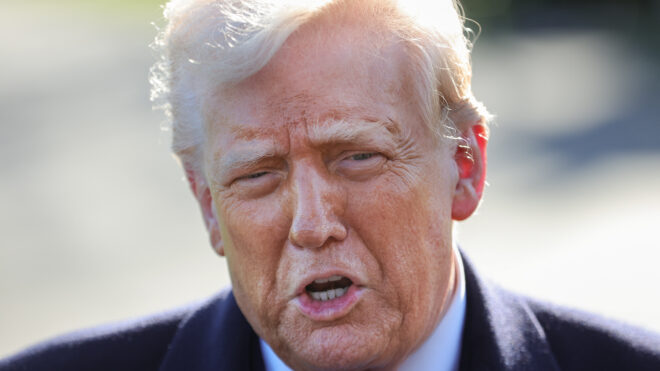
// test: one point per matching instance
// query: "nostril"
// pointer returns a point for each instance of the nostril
(307, 238)
(317, 237)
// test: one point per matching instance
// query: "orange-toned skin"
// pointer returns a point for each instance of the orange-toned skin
(286, 199)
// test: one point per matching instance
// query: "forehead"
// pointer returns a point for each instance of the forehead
(319, 74)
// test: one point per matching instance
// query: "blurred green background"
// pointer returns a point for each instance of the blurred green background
(97, 224)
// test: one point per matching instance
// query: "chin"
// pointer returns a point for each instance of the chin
(345, 346)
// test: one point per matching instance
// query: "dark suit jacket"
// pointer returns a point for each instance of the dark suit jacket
(503, 331)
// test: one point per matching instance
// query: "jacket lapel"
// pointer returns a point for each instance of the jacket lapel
(215, 337)
(501, 332)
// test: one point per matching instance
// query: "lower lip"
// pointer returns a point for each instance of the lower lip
(328, 310)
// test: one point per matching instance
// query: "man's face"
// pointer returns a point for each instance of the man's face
(326, 183)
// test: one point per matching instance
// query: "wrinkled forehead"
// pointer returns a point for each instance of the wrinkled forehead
(322, 72)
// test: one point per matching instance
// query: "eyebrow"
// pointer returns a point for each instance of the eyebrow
(347, 131)
(249, 154)
(253, 151)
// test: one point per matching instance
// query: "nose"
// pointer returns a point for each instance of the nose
(319, 205)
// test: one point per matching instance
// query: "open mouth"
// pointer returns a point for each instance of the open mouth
(324, 289)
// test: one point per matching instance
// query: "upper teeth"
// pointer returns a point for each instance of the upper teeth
(331, 279)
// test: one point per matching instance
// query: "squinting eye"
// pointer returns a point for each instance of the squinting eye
(360, 165)
(255, 175)
(362, 156)
(257, 184)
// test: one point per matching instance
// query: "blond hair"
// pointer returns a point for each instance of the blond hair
(210, 44)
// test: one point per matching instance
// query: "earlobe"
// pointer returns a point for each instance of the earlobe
(211, 222)
(202, 193)
(470, 160)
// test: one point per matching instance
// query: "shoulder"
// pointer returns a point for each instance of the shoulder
(504, 330)
(138, 344)
(586, 341)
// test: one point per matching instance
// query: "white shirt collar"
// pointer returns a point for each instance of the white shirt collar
(440, 352)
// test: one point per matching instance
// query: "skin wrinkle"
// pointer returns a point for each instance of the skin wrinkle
(328, 134)
(304, 221)
(191, 27)
(413, 232)
(385, 218)
(246, 159)
(405, 153)
(395, 208)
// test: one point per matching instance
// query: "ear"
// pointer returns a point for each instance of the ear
(202, 193)
(470, 160)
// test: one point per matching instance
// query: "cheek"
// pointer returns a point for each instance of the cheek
(253, 235)
(414, 204)
(405, 222)
(253, 226)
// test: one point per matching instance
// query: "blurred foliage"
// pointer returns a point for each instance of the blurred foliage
(139, 9)
(498, 13)
(630, 16)
(636, 19)
(501, 15)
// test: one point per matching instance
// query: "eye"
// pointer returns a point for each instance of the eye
(254, 175)
(361, 165)
(366, 157)
(257, 184)
(362, 156)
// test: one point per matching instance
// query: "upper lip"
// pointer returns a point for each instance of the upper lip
(326, 273)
